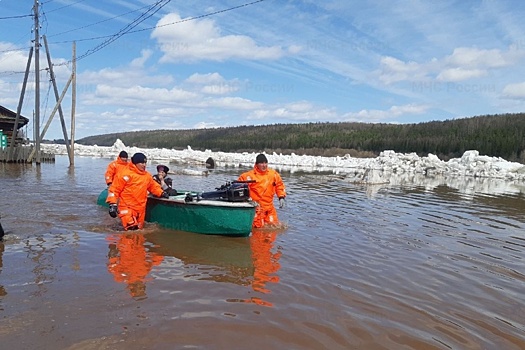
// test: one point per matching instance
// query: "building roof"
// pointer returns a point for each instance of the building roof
(7, 119)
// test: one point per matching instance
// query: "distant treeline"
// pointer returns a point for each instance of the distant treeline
(492, 135)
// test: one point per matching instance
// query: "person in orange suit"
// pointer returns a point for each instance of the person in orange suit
(129, 262)
(267, 183)
(115, 166)
(130, 190)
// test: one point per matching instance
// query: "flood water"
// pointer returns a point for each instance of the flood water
(358, 267)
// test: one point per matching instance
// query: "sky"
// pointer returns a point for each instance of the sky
(161, 64)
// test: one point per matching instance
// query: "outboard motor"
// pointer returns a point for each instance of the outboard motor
(236, 191)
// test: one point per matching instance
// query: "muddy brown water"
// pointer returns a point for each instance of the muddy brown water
(406, 266)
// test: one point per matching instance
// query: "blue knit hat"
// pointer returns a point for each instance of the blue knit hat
(261, 158)
(138, 158)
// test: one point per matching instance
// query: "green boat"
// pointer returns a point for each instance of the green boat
(228, 211)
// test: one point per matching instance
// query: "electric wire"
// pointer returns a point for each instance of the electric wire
(129, 28)
(167, 24)
(16, 17)
(149, 12)
(62, 7)
(99, 22)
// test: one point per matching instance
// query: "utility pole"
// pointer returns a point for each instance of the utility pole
(10, 156)
(73, 105)
(37, 85)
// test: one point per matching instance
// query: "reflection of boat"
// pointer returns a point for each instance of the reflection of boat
(248, 261)
(227, 211)
(230, 258)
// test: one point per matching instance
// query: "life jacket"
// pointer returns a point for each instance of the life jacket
(113, 168)
(131, 186)
(267, 184)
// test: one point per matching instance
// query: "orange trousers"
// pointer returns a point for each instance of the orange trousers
(131, 219)
(264, 216)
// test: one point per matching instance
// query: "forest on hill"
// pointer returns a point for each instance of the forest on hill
(492, 135)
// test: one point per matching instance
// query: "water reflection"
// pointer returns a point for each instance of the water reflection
(213, 258)
(464, 185)
(425, 265)
(265, 260)
(250, 261)
(130, 262)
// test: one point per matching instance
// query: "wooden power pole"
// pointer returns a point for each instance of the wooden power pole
(37, 85)
(39, 136)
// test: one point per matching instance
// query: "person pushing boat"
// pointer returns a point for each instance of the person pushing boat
(115, 166)
(130, 190)
(267, 183)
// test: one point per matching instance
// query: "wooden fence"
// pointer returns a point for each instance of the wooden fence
(21, 155)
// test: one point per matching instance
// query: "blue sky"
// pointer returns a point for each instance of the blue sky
(186, 65)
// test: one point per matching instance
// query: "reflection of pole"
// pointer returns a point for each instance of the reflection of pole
(73, 103)
(57, 97)
(37, 85)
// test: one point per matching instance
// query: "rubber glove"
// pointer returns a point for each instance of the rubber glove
(113, 210)
(282, 204)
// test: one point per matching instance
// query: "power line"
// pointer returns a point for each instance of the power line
(99, 22)
(15, 17)
(167, 24)
(150, 12)
(60, 8)
(201, 16)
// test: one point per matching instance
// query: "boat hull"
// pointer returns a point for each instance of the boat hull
(211, 217)
(101, 200)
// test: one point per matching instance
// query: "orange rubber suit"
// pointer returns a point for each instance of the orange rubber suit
(113, 168)
(130, 190)
(267, 184)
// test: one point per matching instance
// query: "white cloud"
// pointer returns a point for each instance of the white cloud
(12, 58)
(459, 74)
(210, 78)
(123, 76)
(514, 91)
(196, 40)
(234, 103)
(214, 84)
(377, 116)
(220, 89)
(463, 64)
(470, 57)
(393, 70)
(301, 111)
(139, 62)
(204, 125)
(138, 94)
